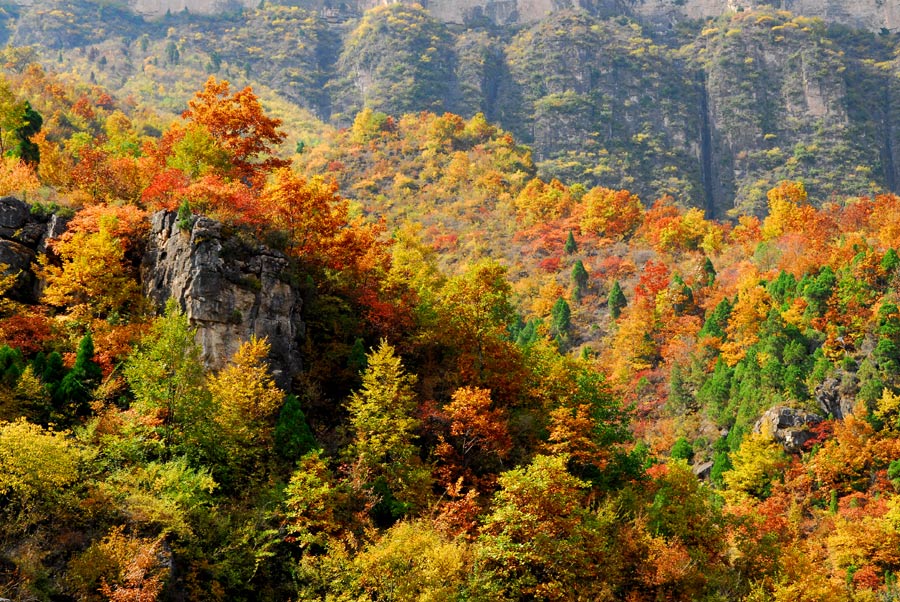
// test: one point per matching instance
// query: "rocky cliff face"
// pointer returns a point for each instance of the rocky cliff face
(603, 104)
(712, 113)
(778, 109)
(228, 289)
(863, 14)
(867, 14)
(22, 236)
(201, 7)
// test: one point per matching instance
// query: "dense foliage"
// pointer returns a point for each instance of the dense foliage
(513, 387)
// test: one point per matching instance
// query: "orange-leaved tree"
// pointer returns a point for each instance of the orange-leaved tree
(239, 125)
(309, 212)
(611, 213)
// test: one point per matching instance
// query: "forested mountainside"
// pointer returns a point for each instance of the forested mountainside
(392, 361)
(597, 304)
(713, 112)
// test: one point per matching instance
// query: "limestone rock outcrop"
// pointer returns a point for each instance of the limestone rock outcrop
(867, 14)
(229, 289)
(788, 426)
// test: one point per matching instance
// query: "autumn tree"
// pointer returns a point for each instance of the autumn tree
(750, 310)
(142, 574)
(540, 202)
(309, 211)
(12, 117)
(93, 279)
(478, 432)
(611, 213)
(540, 541)
(478, 311)
(167, 378)
(787, 207)
(589, 425)
(758, 461)
(311, 499)
(36, 464)
(246, 402)
(236, 122)
(383, 425)
(17, 177)
(195, 152)
(412, 561)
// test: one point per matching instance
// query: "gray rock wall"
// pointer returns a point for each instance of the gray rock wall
(22, 236)
(229, 290)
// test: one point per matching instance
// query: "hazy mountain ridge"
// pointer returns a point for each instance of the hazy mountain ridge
(866, 14)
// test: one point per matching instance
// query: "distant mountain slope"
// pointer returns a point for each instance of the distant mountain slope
(862, 14)
(711, 113)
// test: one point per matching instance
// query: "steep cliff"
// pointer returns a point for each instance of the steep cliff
(779, 109)
(398, 60)
(23, 235)
(603, 104)
(712, 113)
(228, 288)
(865, 14)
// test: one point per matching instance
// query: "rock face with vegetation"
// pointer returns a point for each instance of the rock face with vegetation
(22, 236)
(866, 14)
(602, 103)
(228, 289)
(788, 426)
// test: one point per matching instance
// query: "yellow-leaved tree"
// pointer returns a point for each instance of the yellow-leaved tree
(383, 424)
(36, 464)
(245, 405)
(92, 280)
(757, 462)
(17, 177)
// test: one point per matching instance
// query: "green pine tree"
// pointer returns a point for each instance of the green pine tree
(561, 322)
(293, 438)
(571, 246)
(77, 386)
(616, 301)
(710, 272)
(579, 280)
(890, 261)
(27, 150)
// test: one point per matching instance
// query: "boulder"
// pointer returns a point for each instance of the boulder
(788, 426)
(13, 215)
(703, 470)
(18, 259)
